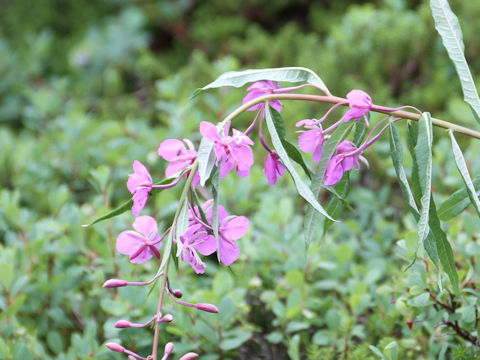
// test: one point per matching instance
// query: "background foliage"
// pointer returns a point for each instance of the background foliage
(86, 87)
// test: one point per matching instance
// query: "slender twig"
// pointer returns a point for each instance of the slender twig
(344, 102)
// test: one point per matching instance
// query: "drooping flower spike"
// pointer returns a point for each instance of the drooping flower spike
(143, 243)
(140, 185)
(179, 157)
(234, 151)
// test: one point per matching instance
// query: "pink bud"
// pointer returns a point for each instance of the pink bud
(166, 318)
(113, 283)
(177, 293)
(122, 324)
(207, 307)
(168, 348)
(115, 347)
(189, 356)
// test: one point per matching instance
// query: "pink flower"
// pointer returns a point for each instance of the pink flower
(273, 168)
(139, 184)
(141, 244)
(199, 237)
(311, 140)
(179, 158)
(234, 151)
(360, 103)
(261, 88)
(230, 229)
(196, 238)
(344, 160)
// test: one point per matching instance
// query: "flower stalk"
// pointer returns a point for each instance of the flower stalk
(344, 102)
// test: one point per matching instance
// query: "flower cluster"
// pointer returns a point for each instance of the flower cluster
(209, 228)
(199, 236)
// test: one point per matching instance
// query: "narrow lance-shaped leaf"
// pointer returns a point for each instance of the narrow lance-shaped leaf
(206, 159)
(430, 243)
(397, 159)
(423, 152)
(462, 167)
(449, 29)
(215, 193)
(167, 249)
(445, 252)
(291, 150)
(311, 217)
(457, 202)
(287, 74)
(181, 226)
(302, 188)
(127, 205)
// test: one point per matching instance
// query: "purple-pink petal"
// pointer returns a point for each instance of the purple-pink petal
(229, 252)
(140, 177)
(128, 242)
(234, 227)
(273, 168)
(171, 148)
(206, 245)
(147, 226)
(140, 198)
(209, 131)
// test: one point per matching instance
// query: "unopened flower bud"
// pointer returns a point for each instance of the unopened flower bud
(113, 283)
(122, 324)
(166, 318)
(115, 347)
(189, 356)
(207, 307)
(177, 293)
(168, 348)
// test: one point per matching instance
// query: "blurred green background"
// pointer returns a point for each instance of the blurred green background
(86, 87)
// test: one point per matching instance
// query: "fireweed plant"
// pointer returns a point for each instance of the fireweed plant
(201, 228)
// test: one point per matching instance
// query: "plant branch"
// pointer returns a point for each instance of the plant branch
(344, 102)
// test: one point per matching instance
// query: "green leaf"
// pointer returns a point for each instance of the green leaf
(397, 159)
(206, 160)
(181, 226)
(118, 211)
(311, 218)
(291, 150)
(302, 188)
(445, 252)
(215, 193)
(7, 275)
(287, 74)
(449, 29)
(430, 243)
(457, 202)
(125, 206)
(423, 152)
(166, 251)
(462, 167)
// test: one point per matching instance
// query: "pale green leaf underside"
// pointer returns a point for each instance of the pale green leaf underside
(462, 167)
(288, 74)
(423, 152)
(449, 29)
(303, 190)
(311, 217)
(206, 160)
(457, 202)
